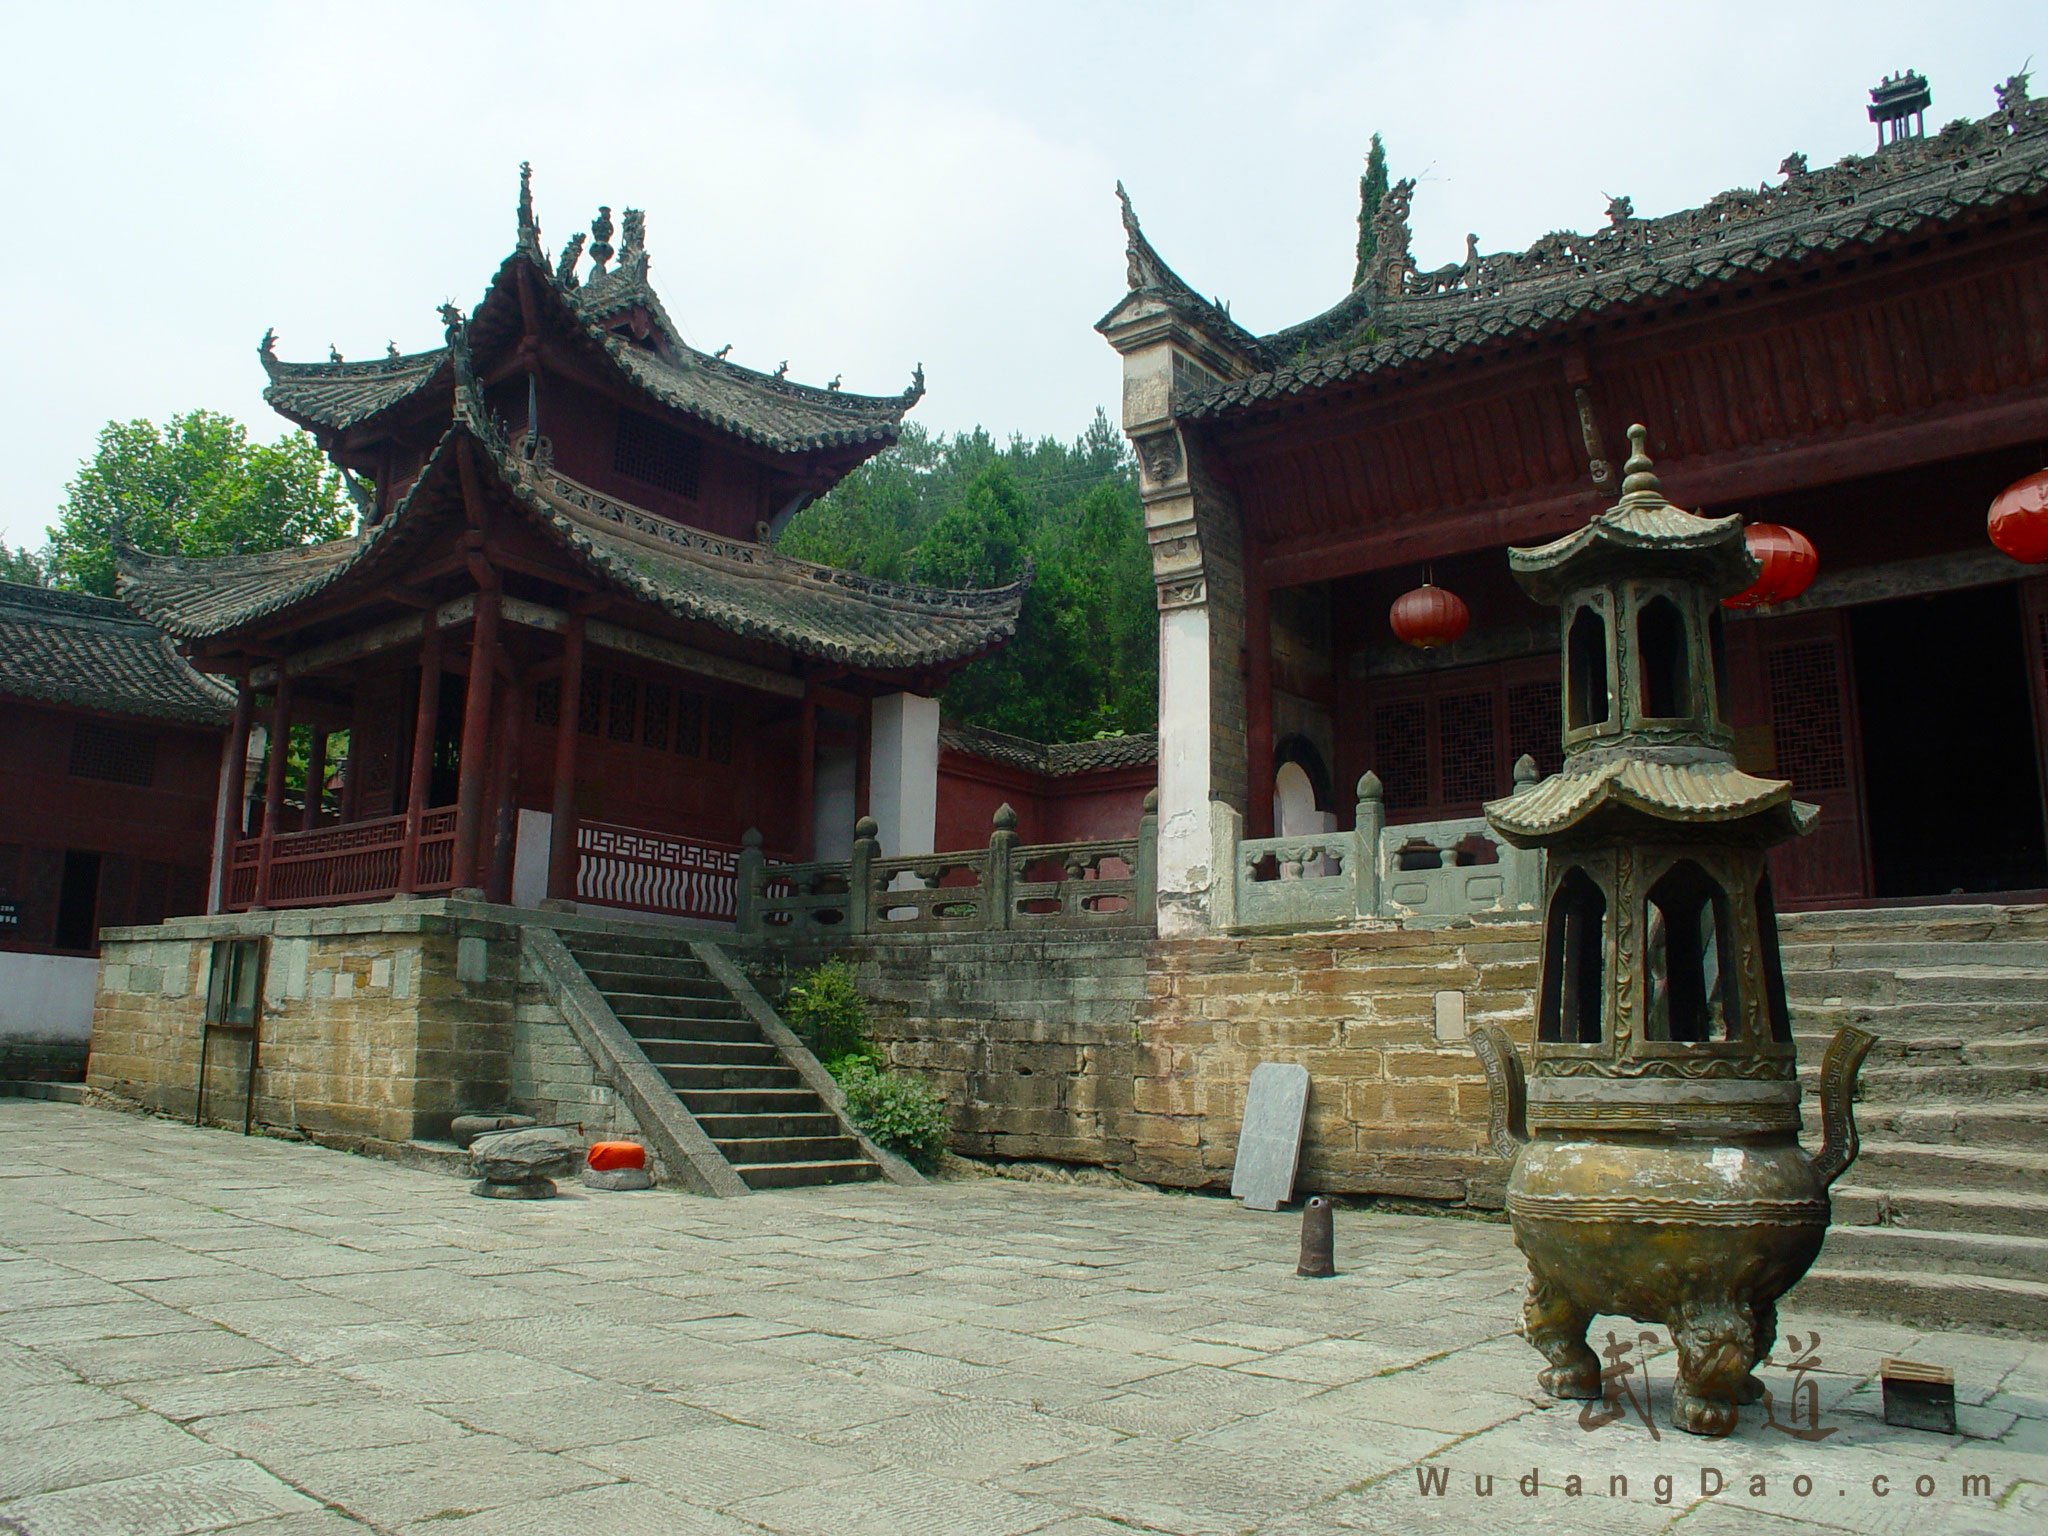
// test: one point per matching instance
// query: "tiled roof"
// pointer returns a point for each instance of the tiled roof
(732, 584)
(767, 410)
(1400, 317)
(1054, 759)
(91, 652)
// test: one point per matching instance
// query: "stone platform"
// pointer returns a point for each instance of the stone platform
(203, 1332)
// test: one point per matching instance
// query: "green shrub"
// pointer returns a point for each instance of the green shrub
(824, 1007)
(902, 1112)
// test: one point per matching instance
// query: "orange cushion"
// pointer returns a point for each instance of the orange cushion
(608, 1155)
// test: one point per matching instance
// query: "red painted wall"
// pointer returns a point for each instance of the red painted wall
(1070, 808)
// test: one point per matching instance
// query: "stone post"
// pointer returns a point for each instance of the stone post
(752, 866)
(1370, 821)
(860, 889)
(1147, 872)
(1226, 831)
(903, 772)
(999, 877)
(1525, 883)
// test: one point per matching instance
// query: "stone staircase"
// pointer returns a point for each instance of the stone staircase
(774, 1129)
(1943, 1218)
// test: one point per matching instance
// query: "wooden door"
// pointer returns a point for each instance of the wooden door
(1808, 690)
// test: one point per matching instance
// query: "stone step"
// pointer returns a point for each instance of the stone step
(645, 1027)
(1962, 922)
(1938, 1051)
(2028, 954)
(754, 1151)
(705, 997)
(798, 1175)
(1889, 1164)
(1934, 1079)
(2006, 1255)
(637, 984)
(1930, 1208)
(638, 963)
(1970, 984)
(724, 1128)
(714, 1078)
(1998, 1124)
(750, 1101)
(675, 1052)
(1924, 1299)
(1968, 1020)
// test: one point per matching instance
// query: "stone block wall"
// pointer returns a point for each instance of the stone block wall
(554, 1079)
(1132, 1053)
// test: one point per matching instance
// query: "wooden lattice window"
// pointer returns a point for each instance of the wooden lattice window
(1806, 716)
(622, 717)
(690, 724)
(657, 454)
(1534, 714)
(718, 724)
(108, 752)
(654, 716)
(590, 703)
(547, 702)
(1400, 752)
(1466, 747)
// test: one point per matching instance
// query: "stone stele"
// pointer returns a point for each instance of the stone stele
(1269, 1144)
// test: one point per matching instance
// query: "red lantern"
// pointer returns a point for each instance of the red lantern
(1429, 617)
(2018, 520)
(1789, 566)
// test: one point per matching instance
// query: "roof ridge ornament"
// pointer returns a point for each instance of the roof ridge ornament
(565, 268)
(600, 240)
(529, 230)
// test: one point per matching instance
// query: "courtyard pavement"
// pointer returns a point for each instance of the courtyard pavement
(200, 1332)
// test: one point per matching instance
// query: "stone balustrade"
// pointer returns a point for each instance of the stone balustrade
(1004, 886)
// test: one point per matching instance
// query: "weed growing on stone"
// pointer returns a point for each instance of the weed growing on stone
(899, 1110)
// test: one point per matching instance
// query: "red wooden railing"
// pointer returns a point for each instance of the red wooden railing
(656, 872)
(357, 862)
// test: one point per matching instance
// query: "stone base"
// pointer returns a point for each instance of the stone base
(525, 1189)
(616, 1178)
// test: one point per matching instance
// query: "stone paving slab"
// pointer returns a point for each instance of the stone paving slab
(201, 1332)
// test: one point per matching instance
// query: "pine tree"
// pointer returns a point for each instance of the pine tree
(1372, 186)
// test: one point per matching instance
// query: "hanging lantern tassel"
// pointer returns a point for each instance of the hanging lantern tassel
(1789, 566)
(2018, 520)
(1429, 617)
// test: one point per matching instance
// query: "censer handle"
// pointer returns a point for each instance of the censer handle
(1838, 1068)
(1507, 1095)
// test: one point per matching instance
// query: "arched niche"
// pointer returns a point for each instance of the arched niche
(1574, 962)
(1663, 661)
(1294, 802)
(1691, 994)
(1587, 698)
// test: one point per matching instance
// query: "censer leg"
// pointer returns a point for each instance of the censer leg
(1716, 1347)
(1556, 1325)
(1766, 1339)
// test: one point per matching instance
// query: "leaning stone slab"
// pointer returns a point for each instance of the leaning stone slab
(1269, 1143)
(465, 1129)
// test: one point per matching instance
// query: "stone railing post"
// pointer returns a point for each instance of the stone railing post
(753, 865)
(860, 894)
(1370, 821)
(1526, 888)
(1147, 872)
(1226, 831)
(999, 877)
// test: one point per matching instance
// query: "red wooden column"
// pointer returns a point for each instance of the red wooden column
(470, 832)
(1258, 709)
(316, 780)
(421, 776)
(562, 830)
(273, 783)
(807, 780)
(234, 793)
(504, 802)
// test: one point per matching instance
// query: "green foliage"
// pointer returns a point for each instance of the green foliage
(964, 512)
(1372, 187)
(22, 565)
(901, 1111)
(823, 1006)
(195, 486)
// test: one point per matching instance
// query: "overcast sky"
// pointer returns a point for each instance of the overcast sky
(856, 187)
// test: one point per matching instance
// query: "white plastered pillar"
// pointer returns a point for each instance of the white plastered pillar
(903, 772)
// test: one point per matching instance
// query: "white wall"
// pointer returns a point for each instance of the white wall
(46, 997)
(832, 801)
(1184, 834)
(903, 773)
(530, 858)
